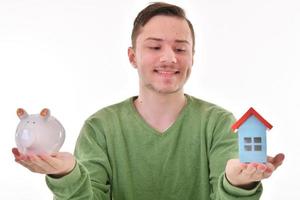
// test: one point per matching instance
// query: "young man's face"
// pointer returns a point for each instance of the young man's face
(163, 55)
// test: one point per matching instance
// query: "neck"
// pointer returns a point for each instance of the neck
(160, 110)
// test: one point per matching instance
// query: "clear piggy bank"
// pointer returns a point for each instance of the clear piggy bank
(39, 133)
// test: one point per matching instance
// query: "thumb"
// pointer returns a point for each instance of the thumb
(277, 160)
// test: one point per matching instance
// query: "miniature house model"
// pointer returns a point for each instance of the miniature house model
(252, 137)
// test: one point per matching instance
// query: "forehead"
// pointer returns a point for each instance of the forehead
(166, 28)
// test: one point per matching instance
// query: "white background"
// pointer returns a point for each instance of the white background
(71, 56)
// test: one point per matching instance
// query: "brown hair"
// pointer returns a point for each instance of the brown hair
(154, 9)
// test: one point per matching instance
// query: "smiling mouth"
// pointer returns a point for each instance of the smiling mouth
(166, 73)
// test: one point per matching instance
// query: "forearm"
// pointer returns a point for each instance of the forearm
(77, 185)
(224, 147)
(226, 191)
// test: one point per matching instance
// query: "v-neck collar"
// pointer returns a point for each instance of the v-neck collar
(148, 127)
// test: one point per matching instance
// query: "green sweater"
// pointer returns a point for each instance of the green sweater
(120, 157)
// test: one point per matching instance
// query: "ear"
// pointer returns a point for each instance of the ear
(45, 113)
(193, 58)
(21, 113)
(131, 56)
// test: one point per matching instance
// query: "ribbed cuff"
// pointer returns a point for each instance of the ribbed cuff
(236, 191)
(66, 180)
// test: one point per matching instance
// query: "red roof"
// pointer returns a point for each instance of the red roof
(249, 113)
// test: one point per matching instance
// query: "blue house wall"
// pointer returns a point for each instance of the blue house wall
(252, 141)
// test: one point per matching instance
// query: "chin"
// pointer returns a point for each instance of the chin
(168, 90)
(164, 88)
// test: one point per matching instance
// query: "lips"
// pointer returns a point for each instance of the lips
(166, 72)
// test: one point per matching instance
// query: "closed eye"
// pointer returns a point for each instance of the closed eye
(154, 48)
(179, 50)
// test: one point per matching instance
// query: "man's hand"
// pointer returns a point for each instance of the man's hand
(247, 175)
(55, 165)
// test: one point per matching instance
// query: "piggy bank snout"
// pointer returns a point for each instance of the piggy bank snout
(26, 137)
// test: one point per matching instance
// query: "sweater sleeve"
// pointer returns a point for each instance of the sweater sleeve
(90, 179)
(224, 146)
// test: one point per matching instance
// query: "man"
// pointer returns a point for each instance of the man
(162, 144)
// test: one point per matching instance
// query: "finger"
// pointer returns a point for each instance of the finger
(264, 171)
(268, 172)
(243, 166)
(15, 151)
(257, 175)
(261, 167)
(21, 157)
(278, 160)
(42, 165)
(251, 168)
(51, 161)
(55, 154)
(259, 172)
(18, 155)
(31, 166)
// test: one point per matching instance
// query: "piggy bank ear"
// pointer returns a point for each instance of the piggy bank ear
(21, 113)
(45, 113)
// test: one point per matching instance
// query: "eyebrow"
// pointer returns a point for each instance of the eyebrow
(159, 40)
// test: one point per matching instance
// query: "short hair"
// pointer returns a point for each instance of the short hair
(154, 9)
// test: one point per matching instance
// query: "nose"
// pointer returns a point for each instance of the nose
(168, 56)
